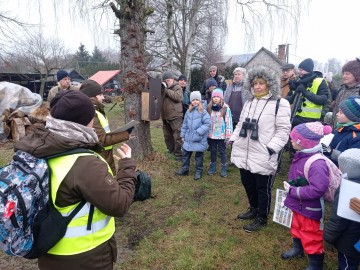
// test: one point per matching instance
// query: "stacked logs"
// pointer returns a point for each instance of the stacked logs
(16, 124)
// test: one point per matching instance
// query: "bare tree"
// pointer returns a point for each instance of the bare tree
(40, 55)
(132, 16)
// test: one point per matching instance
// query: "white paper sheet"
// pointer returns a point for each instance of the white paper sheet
(348, 190)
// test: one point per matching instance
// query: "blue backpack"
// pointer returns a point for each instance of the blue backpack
(27, 213)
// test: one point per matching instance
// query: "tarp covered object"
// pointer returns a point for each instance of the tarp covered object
(14, 96)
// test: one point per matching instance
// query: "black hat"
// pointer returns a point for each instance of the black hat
(354, 68)
(90, 88)
(288, 66)
(307, 65)
(72, 105)
(61, 74)
(182, 78)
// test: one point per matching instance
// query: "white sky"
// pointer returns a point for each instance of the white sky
(328, 30)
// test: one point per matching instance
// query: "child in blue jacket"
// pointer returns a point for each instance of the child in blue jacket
(194, 133)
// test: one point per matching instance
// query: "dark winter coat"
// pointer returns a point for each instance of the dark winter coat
(88, 180)
(342, 233)
(194, 130)
(186, 99)
(345, 138)
(305, 200)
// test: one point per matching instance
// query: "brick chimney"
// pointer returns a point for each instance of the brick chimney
(282, 52)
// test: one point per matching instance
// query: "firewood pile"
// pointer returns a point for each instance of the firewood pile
(17, 124)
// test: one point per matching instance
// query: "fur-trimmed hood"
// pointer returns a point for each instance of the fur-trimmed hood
(269, 75)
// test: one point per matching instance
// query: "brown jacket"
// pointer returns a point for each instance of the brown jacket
(285, 88)
(172, 102)
(107, 139)
(88, 179)
(56, 89)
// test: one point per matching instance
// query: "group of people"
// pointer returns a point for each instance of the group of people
(268, 115)
(252, 114)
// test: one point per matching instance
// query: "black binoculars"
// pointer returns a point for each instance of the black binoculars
(251, 125)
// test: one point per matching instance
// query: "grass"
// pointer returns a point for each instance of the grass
(191, 224)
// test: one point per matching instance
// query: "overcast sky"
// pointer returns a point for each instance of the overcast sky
(328, 30)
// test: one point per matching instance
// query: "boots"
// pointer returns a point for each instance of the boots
(296, 251)
(251, 213)
(182, 171)
(212, 169)
(316, 262)
(199, 159)
(223, 172)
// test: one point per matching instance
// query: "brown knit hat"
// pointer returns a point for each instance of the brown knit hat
(72, 105)
(90, 88)
(354, 68)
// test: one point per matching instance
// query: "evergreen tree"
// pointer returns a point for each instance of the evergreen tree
(97, 56)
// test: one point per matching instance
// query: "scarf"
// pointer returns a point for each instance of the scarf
(341, 125)
(71, 130)
(258, 96)
(315, 149)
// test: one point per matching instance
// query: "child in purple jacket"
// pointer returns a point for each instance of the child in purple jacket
(305, 196)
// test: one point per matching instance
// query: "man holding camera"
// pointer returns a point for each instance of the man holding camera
(309, 96)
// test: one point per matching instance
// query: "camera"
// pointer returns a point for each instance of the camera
(252, 125)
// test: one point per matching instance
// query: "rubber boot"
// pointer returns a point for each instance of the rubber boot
(223, 172)
(185, 164)
(296, 251)
(212, 169)
(316, 262)
(199, 159)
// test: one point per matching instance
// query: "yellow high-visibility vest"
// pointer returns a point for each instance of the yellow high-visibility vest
(77, 238)
(104, 122)
(308, 108)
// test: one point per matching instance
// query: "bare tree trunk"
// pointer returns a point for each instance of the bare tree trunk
(170, 32)
(132, 16)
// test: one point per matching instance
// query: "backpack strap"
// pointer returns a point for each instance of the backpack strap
(310, 161)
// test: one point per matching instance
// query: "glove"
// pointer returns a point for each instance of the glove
(325, 148)
(300, 89)
(129, 130)
(286, 186)
(293, 85)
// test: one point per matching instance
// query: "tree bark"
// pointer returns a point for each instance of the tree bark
(132, 16)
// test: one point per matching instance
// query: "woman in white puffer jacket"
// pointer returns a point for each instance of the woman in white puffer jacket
(262, 131)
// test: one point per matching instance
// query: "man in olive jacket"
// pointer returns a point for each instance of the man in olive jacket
(88, 178)
(172, 113)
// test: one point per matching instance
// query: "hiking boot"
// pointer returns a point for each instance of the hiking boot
(256, 225)
(197, 176)
(296, 251)
(182, 172)
(223, 172)
(251, 213)
(212, 169)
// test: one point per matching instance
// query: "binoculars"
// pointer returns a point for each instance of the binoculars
(250, 125)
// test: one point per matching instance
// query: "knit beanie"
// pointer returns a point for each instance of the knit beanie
(354, 68)
(349, 162)
(308, 135)
(217, 93)
(182, 78)
(211, 82)
(72, 105)
(90, 88)
(307, 65)
(195, 95)
(61, 74)
(167, 75)
(351, 108)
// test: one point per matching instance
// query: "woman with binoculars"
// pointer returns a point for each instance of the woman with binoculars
(262, 131)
